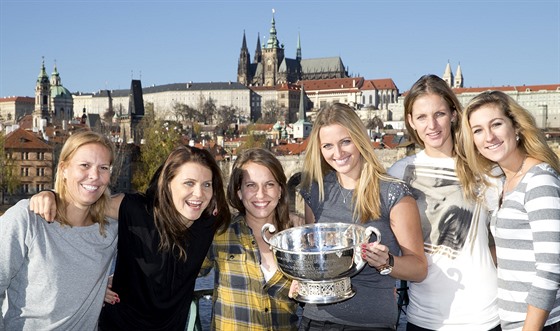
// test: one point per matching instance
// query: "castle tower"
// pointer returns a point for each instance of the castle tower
(258, 51)
(243, 64)
(448, 75)
(273, 55)
(42, 98)
(458, 77)
(298, 51)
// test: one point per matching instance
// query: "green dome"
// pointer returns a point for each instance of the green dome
(60, 92)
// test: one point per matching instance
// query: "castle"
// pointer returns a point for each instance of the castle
(270, 67)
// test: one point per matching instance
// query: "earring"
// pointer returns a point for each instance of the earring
(516, 137)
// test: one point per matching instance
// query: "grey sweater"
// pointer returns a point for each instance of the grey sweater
(54, 276)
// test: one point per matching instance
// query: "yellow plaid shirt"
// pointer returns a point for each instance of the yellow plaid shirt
(242, 299)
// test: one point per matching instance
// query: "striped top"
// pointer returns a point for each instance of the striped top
(243, 299)
(527, 233)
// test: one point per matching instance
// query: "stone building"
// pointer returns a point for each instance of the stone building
(32, 161)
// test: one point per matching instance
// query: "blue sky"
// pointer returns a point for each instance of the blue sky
(103, 44)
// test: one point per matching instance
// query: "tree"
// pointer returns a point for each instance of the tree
(206, 109)
(183, 112)
(108, 116)
(160, 138)
(252, 141)
(375, 123)
(225, 115)
(271, 112)
(9, 180)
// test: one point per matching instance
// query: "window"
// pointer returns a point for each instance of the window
(40, 155)
(40, 171)
(24, 172)
(25, 188)
(25, 155)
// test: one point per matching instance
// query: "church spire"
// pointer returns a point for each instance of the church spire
(298, 52)
(272, 39)
(42, 98)
(244, 63)
(244, 43)
(459, 77)
(301, 114)
(448, 75)
(258, 52)
(55, 77)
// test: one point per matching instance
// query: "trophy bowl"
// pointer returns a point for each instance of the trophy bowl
(321, 257)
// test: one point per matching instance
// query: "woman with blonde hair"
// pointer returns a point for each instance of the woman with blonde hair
(164, 236)
(55, 275)
(498, 132)
(344, 182)
(459, 292)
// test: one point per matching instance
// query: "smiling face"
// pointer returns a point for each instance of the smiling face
(87, 174)
(431, 118)
(493, 133)
(259, 192)
(339, 151)
(191, 189)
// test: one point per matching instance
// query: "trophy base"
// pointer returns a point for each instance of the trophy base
(325, 291)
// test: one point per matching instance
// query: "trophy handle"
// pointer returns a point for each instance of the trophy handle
(270, 228)
(372, 229)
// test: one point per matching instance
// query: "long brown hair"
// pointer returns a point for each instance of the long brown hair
(169, 222)
(75, 141)
(267, 159)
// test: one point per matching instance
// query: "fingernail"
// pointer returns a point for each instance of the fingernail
(113, 302)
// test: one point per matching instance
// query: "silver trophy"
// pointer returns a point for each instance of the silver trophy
(321, 257)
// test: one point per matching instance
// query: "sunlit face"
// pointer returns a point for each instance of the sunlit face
(339, 151)
(493, 133)
(431, 118)
(191, 189)
(87, 174)
(259, 192)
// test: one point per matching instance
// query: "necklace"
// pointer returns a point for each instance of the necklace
(506, 181)
(344, 196)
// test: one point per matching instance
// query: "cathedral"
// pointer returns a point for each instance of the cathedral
(270, 67)
(53, 102)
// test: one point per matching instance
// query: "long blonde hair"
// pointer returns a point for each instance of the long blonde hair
(366, 194)
(75, 141)
(532, 140)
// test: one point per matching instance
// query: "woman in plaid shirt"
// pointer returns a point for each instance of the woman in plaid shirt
(250, 292)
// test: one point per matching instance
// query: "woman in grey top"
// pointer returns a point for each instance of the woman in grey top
(344, 182)
(55, 275)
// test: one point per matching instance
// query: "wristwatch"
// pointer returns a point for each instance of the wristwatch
(388, 267)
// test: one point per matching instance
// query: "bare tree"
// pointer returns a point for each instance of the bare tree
(206, 109)
(225, 115)
(271, 112)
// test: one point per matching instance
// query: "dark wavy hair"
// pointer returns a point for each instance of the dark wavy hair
(267, 159)
(169, 222)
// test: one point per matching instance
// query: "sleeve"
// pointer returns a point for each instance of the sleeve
(397, 169)
(208, 263)
(397, 191)
(542, 203)
(14, 243)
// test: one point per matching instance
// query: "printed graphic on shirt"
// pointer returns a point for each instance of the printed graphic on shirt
(440, 200)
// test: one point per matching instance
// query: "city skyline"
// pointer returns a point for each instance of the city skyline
(99, 44)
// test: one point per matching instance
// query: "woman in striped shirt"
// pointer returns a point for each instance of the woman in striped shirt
(496, 131)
